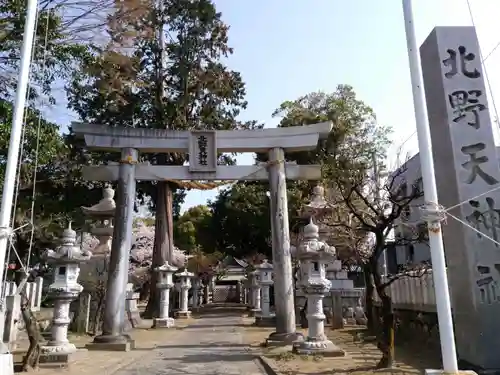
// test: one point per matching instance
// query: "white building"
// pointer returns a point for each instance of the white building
(410, 232)
(410, 224)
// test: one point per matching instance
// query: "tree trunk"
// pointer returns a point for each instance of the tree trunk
(163, 244)
(386, 337)
(31, 325)
(369, 299)
(304, 323)
(144, 292)
(386, 344)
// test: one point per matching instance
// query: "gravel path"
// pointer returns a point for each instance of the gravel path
(211, 346)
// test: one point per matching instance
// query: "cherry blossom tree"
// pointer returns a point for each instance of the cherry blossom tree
(141, 253)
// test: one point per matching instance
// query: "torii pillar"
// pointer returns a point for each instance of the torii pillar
(204, 146)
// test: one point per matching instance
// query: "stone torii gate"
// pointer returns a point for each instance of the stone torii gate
(203, 146)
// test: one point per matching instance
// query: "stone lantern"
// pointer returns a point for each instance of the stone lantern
(265, 318)
(66, 260)
(102, 215)
(314, 256)
(165, 283)
(103, 212)
(255, 293)
(185, 285)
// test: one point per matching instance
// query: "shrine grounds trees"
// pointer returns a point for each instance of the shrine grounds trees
(192, 231)
(46, 201)
(366, 210)
(162, 69)
(50, 64)
(348, 151)
(374, 208)
(241, 219)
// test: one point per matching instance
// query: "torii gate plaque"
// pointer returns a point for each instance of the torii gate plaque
(203, 146)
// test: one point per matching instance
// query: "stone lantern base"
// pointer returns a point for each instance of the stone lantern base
(325, 348)
(254, 312)
(284, 339)
(265, 321)
(163, 323)
(183, 314)
(6, 363)
(56, 356)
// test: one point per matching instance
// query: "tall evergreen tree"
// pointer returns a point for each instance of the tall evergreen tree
(175, 52)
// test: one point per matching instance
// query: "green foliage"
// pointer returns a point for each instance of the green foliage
(192, 230)
(193, 89)
(241, 214)
(241, 221)
(355, 136)
(53, 56)
(49, 192)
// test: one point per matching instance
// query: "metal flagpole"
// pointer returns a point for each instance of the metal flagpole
(13, 156)
(433, 214)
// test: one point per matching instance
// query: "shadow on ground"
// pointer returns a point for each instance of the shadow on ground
(201, 346)
(213, 357)
(407, 350)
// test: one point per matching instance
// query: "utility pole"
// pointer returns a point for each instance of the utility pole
(6, 361)
(432, 212)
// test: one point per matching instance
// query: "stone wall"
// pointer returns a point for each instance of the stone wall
(415, 325)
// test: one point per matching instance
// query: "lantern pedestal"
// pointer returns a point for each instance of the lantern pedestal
(316, 341)
(183, 314)
(255, 290)
(185, 285)
(123, 343)
(284, 339)
(164, 323)
(165, 283)
(265, 321)
(326, 348)
(266, 318)
(6, 363)
(197, 288)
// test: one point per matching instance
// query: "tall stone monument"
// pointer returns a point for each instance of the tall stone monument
(466, 168)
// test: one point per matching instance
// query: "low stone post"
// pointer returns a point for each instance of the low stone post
(255, 293)
(265, 318)
(338, 318)
(251, 294)
(240, 290)
(314, 255)
(196, 293)
(185, 285)
(82, 320)
(211, 288)
(245, 291)
(165, 283)
(338, 277)
(131, 309)
(206, 293)
(65, 288)
(12, 318)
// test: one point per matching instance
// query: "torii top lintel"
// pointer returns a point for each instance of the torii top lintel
(295, 138)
